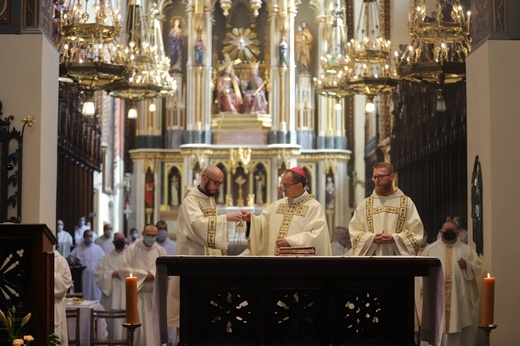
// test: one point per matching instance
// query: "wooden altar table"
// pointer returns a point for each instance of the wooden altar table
(293, 300)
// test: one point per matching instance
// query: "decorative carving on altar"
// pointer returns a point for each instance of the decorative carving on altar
(240, 187)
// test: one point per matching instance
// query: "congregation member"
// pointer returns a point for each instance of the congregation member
(64, 238)
(134, 235)
(164, 240)
(62, 283)
(139, 260)
(106, 240)
(112, 285)
(387, 222)
(88, 254)
(341, 245)
(201, 231)
(461, 267)
(80, 229)
(297, 220)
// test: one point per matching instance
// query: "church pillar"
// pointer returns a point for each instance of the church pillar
(492, 130)
(29, 86)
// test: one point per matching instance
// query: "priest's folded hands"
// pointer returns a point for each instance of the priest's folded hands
(383, 238)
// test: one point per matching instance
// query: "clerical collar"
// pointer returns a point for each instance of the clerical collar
(204, 192)
(296, 199)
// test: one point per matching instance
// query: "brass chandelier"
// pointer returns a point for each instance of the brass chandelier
(439, 47)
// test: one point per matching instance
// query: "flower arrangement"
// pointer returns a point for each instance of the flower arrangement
(14, 332)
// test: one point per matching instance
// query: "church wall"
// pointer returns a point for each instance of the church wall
(29, 86)
(493, 127)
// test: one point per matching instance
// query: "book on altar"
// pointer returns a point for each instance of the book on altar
(296, 250)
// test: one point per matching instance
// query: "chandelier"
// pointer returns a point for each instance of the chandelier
(439, 47)
(89, 54)
(146, 74)
(372, 70)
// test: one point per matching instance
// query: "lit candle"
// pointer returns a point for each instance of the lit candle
(488, 300)
(131, 300)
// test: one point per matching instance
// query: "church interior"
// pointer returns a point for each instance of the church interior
(111, 110)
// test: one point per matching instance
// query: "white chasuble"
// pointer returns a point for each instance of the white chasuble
(301, 223)
(395, 214)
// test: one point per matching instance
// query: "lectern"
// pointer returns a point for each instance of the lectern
(27, 275)
(293, 300)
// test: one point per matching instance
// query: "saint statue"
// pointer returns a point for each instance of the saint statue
(283, 47)
(303, 47)
(199, 50)
(229, 97)
(254, 93)
(175, 38)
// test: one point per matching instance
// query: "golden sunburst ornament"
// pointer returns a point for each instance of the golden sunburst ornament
(241, 44)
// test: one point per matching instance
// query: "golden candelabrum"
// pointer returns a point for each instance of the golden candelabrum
(487, 328)
(439, 47)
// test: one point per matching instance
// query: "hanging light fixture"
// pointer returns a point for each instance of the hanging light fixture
(335, 63)
(146, 74)
(89, 55)
(89, 108)
(372, 69)
(132, 111)
(439, 47)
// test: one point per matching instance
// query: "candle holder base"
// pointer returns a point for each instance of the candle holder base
(131, 332)
(487, 329)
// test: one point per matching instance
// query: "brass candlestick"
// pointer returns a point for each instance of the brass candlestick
(487, 329)
(131, 332)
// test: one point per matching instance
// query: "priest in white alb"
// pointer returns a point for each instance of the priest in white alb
(461, 267)
(297, 220)
(387, 222)
(201, 231)
(112, 285)
(139, 260)
(62, 282)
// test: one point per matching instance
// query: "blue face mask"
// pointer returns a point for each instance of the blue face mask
(149, 240)
(87, 240)
(161, 236)
(81, 223)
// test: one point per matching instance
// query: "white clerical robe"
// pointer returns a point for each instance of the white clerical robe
(169, 245)
(89, 256)
(113, 289)
(138, 260)
(64, 243)
(301, 221)
(62, 282)
(201, 232)
(106, 243)
(461, 288)
(395, 214)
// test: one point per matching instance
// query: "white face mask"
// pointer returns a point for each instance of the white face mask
(60, 228)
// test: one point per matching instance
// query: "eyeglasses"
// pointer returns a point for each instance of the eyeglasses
(287, 185)
(381, 176)
(217, 183)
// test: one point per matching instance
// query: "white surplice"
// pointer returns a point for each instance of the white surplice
(138, 260)
(301, 221)
(461, 289)
(89, 256)
(395, 214)
(62, 282)
(201, 232)
(113, 289)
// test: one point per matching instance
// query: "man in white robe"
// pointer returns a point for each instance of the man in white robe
(139, 260)
(106, 240)
(297, 220)
(387, 222)
(89, 255)
(112, 285)
(461, 267)
(201, 230)
(80, 229)
(62, 282)
(341, 246)
(64, 238)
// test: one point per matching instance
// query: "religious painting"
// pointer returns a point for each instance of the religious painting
(174, 184)
(5, 12)
(476, 206)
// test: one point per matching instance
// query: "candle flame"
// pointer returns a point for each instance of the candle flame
(131, 274)
(488, 275)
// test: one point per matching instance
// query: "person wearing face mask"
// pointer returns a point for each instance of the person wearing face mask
(81, 227)
(387, 222)
(134, 235)
(64, 240)
(461, 267)
(88, 254)
(139, 260)
(201, 231)
(106, 240)
(163, 240)
(112, 285)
